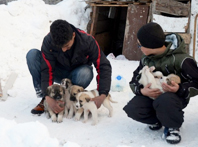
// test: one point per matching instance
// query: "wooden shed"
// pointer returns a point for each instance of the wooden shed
(114, 24)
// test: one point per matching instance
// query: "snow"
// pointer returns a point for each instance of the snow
(24, 23)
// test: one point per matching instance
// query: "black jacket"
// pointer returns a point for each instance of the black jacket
(85, 50)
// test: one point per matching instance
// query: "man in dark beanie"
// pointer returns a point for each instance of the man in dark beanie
(67, 52)
(168, 54)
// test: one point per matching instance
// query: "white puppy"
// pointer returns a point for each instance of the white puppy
(84, 101)
(156, 78)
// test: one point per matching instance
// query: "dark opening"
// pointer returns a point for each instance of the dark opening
(110, 28)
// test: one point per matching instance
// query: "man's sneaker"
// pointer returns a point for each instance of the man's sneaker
(172, 135)
(39, 109)
(155, 126)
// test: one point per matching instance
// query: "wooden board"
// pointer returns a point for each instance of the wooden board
(171, 7)
(136, 17)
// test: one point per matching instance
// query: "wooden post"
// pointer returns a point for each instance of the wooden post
(136, 17)
(94, 20)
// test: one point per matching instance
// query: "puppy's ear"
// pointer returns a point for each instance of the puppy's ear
(87, 99)
(48, 90)
(81, 89)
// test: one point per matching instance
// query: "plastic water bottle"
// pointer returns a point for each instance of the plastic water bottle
(118, 83)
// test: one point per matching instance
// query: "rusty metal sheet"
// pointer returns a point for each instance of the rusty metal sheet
(136, 17)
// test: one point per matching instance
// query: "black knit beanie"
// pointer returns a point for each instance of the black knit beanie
(151, 35)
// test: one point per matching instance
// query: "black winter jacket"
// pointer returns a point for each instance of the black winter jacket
(85, 50)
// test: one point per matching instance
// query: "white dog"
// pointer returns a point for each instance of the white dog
(84, 101)
(156, 78)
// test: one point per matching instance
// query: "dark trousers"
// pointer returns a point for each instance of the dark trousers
(167, 109)
(81, 76)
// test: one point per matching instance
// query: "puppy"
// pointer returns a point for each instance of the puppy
(74, 90)
(156, 78)
(56, 92)
(69, 107)
(84, 101)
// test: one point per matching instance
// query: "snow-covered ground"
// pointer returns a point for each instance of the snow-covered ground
(23, 25)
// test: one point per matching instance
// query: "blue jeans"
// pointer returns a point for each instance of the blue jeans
(81, 76)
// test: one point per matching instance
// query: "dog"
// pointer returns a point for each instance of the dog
(74, 90)
(84, 101)
(56, 92)
(69, 107)
(70, 98)
(156, 78)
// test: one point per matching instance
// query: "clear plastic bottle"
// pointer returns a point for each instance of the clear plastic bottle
(118, 83)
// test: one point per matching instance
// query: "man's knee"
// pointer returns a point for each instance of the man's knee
(32, 54)
(83, 76)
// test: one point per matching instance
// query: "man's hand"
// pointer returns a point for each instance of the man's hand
(154, 93)
(54, 105)
(99, 100)
(170, 88)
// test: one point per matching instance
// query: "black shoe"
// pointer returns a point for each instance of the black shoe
(155, 126)
(39, 109)
(172, 135)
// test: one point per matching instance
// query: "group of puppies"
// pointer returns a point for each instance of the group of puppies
(76, 102)
(156, 78)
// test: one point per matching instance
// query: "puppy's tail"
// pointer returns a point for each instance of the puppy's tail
(110, 99)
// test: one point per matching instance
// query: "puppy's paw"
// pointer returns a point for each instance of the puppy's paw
(84, 121)
(93, 123)
(77, 118)
(53, 117)
(110, 115)
(69, 116)
(60, 119)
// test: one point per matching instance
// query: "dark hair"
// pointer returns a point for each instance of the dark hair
(61, 32)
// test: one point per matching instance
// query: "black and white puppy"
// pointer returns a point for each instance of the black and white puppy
(56, 92)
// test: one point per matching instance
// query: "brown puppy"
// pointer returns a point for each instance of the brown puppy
(56, 92)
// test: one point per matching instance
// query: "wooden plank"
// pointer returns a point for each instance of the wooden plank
(94, 20)
(171, 7)
(136, 17)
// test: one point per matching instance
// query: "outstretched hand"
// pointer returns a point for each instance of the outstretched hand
(170, 88)
(54, 105)
(99, 100)
(154, 93)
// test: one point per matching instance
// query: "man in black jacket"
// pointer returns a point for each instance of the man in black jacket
(67, 52)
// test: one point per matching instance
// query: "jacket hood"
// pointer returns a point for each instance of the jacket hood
(174, 45)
